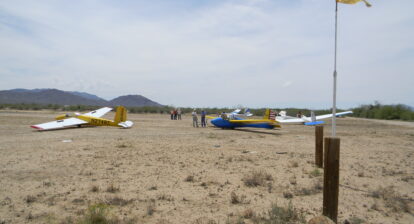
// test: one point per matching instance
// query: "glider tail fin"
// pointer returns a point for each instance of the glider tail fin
(313, 120)
(120, 115)
(247, 112)
(313, 117)
(269, 115)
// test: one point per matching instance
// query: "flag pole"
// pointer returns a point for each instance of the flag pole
(335, 74)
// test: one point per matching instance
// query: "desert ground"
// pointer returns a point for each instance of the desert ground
(165, 171)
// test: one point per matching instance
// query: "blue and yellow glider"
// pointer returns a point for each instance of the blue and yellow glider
(233, 121)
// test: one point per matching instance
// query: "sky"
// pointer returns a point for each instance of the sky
(212, 53)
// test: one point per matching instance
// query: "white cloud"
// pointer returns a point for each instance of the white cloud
(287, 84)
(220, 54)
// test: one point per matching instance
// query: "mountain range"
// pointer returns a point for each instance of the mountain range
(59, 97)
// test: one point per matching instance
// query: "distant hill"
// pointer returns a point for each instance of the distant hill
(27, 90)
(59, 97)
(86, 95)
(134, 101)
(46, 96)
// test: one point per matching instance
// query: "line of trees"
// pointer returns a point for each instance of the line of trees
(376, 110)
(387, 112)
(148, 109)
(55, 107)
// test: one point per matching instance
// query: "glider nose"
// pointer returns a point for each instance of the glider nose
(216, 122)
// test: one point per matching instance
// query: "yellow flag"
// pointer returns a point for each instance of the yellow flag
(354, 2)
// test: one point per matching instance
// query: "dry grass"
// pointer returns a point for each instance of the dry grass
(392, 199)
(292, 180)
(112, 188)
(61, 175)
(117, 201)
(189, 178)
(98, 214)
(238, 199)
(151, 208)
(315, 188)
(30, 199)
(356, 220)
(165, 197)
(153, 188)
(315, 173)
(204, 220)
(257, 178)
(248, 214)
(407, 178)
(123, 145)
(280, 215)
(287, 194)
(95, 188)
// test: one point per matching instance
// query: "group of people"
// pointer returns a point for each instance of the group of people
(176, 114)
(224, 116)
(195, 118)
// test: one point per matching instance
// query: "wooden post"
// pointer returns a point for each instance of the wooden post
(331, 178)
(319, 146)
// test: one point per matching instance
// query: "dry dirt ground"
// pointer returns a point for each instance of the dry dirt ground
(163, 171)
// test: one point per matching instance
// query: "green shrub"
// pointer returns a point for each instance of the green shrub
(98, 214)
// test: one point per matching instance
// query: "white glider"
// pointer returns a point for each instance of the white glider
(90, 118)
(312, 120)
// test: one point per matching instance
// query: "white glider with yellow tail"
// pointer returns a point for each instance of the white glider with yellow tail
(91, 118)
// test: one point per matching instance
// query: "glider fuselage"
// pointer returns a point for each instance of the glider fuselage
(222, 123)
(97, 121)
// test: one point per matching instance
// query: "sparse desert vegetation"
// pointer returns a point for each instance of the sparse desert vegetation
(164, 171)
(393, 200)
(257, 178)
(112, 188)
(97, 213)
(238, 199)
(279, 214)
(315, 173)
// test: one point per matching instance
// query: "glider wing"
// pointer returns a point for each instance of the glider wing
(236, 111)
(330, 115)
(99, 112)
(291, 120)
(59, 124)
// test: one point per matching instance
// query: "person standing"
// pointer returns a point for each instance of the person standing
(224, 116)
(203, 119)
(175, 114)
(179, 113)
(195, 118)
(172, 114)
